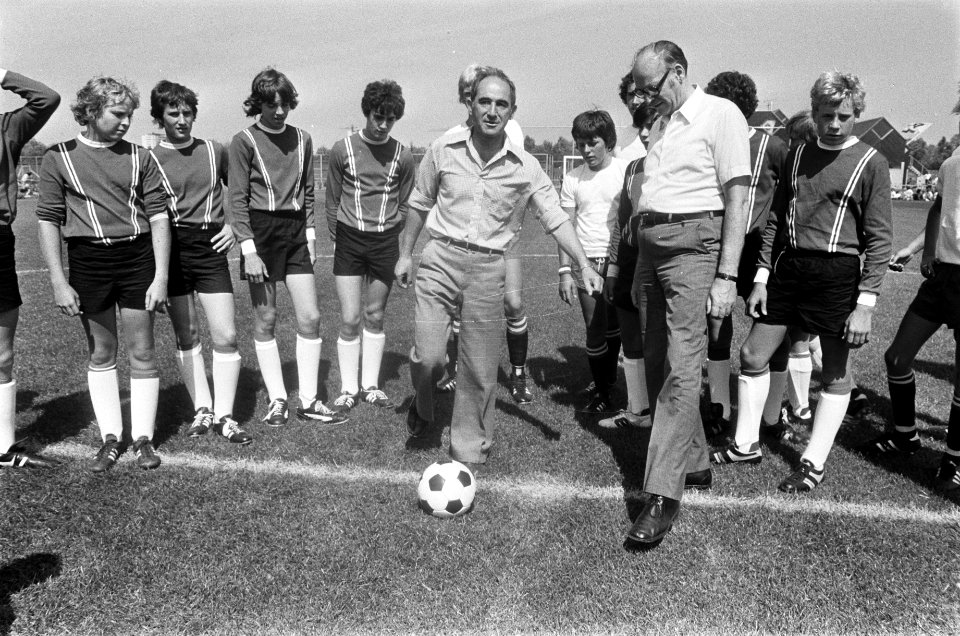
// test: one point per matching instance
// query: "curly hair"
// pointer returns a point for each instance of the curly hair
(595, 123)
(484, 72)
(465, 82)
(739, 88)
(167, 93)
(832, 87)
(264, 90)
(626, 82)
(801, 128)
(100, 93)
(384, 96)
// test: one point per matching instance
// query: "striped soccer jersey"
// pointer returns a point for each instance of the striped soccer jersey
(368, 184)
(193, 174)
(107, 193)
(835, 201)
(767, 154)
(271, 172)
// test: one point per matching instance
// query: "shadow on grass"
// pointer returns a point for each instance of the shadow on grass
(519, 413)
(938, 370)
(19, 574)
(569, 375)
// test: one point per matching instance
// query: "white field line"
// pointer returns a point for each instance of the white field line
(540, 487)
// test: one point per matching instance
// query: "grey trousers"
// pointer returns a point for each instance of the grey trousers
(451, 278)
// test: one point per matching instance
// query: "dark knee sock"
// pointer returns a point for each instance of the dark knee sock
(903, 393)
(517, 348)
(612, 358)
(953, 428)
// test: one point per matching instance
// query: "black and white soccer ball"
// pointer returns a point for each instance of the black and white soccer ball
(446, 490)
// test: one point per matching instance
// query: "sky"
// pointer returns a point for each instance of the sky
(565, 56)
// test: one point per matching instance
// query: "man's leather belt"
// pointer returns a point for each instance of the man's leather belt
(659, 218)
(472, 247)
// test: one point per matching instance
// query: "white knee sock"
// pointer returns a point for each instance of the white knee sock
(826, 423)
(373, 344)
(195, 376)
(144, 392)
(800, 368)
(268, 357)
(348, 356)
(226, 373)
(718, 377)
(636, 376)
(308, 368)
(8, 412)
(774, 400)
(752, 393)
(105, 395)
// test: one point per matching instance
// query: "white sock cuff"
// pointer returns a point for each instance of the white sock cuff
(265, 344)
(801, 362)
(313, 341)
(233, 356)
(183, 354)
(369, 335)
(112, 367)
(342, 342)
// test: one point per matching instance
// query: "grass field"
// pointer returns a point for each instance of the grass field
(316, 530)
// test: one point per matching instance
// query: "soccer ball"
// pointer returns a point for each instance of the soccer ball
(446, 490)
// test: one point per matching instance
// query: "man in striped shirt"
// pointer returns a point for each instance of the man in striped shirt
(832, 204)
(16, 129)
(369, 181)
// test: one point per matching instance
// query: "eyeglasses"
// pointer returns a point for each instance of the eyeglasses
(649, 93)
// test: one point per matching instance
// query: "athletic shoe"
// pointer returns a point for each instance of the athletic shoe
(202, 422)
(518, 389)
(448, 383)
(948, 477)
(378, 398)
(147, 457)
(318, 412)
(893, 444)
(277, 414)
(804, 479)
(858, 402)
(107, 455)
(782, 431)
(229, 428)
(599, 403)
(733, 455)
(715, 425)
(22, 459)
(803, 415)
(626, 419)
(344, 402)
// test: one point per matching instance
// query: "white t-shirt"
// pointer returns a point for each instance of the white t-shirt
(633, 149)
(594, 198)
(948, 185)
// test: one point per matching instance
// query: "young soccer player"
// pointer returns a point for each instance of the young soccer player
(937, 303)
(517, 326)
(193, 171)
(767, 154)
(16, 129)
(833, 204)
(590, 194)
(106, 197)
(271, 198)
(369, 181)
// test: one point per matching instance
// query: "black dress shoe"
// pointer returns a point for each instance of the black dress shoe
(655, 520)
(699, 480)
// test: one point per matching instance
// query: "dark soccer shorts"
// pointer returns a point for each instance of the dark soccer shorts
(108, 275)
(195, 266)
(938, 299)
(627, 265)
(599, 265)
(815, 291)
(748, 264)
(373, 254)
(281, 242)
(9, 286)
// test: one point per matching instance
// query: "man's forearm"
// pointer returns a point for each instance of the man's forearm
(567, 240)
(932, 229)
(735, 218)
(411, 230)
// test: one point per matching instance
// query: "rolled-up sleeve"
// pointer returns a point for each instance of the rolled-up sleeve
(424, 195)
(732, 147)
(544, 200)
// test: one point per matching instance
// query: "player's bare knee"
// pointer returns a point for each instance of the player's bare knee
(373, 320)
(188, 337)
(308, 324)
(224, 340)
(752, 360)
(350, 328)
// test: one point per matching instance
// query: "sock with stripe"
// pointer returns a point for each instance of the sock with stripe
(718, 379)
(144, 393)
(903, 394)
(195, 376)
(597, 358)
(268, 357)
(8, 411)
(751, 395)
(826, 422)
(348, 357)
(373, 345)
(105, 395)
(636, 377)
(774, 399)
(226, 374)
(308, 368)
(800, 368)
(517, 341)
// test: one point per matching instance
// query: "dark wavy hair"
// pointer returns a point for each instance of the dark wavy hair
(385, 97)
(595, 123)
(99, 93)
(625, 83)
(491, 71)
(167, 93)
(264, 90)
(739, 88)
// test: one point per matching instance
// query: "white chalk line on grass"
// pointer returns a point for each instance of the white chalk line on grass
(540, 487)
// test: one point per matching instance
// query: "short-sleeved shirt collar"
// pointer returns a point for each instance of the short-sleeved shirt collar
(465, 136)
(694, 106)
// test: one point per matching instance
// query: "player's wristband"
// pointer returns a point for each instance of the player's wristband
(248, 247)
(867, 299)
(564, 270)
(729, 277)
(762, 276)
(311, 234)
